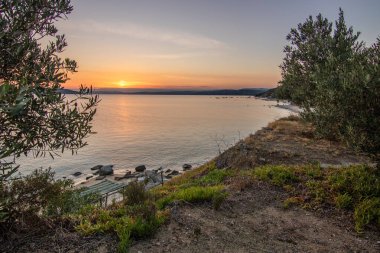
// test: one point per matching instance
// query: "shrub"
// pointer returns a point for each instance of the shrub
(277, 175)
(367, 211)
(135, 194)
(28, 201)
(214, 177)
(334, 77)
(192, 194)
(343, 201)
(292, 201)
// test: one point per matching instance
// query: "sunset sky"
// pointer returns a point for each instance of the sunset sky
(197, 44)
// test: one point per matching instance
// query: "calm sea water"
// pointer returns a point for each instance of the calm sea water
(165, 131)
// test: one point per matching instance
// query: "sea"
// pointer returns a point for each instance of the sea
(161, 131)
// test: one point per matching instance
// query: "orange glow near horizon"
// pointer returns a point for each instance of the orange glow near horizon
(109, 79)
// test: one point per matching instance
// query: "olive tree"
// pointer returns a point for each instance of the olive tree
(35, 118)
(335, 78)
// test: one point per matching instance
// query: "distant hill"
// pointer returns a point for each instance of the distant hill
(269, 93)
(67, 91)
(224, 92)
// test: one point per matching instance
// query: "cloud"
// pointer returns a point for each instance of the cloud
(153, 34)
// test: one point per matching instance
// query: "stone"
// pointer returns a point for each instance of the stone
(96, 173)
(97, 167)
(168, 170)
(186, 166)
(153, 176)
(77, 174)
(87, 178)
(100, 177)
(106, 170)
(174, 173)
(140, 168)
(262, 159)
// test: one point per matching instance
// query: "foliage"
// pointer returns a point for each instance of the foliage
(191, 194)
(27, 201)
(135, 193)
(214, 177)
(277, 175)
(35, 118)
(354, 188)
(335, 78)
(135, 218)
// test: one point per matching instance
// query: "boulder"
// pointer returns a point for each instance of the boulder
(97, 167)
(153, 176)
(140, 168)
(77, 174)
(126, 175)
(186, 166)
(106, 170)
(100, 177)
(173, 173)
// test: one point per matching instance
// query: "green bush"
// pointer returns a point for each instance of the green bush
(214, 177)
(277, 175)
(135, 194)
(334, 77)
(28, 201)
(135, 218)
(354, 188)
(343, 201)
(192, 194)
(366, 212)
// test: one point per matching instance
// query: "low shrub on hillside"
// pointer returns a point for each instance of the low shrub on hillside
(29, 202)
(353, 188)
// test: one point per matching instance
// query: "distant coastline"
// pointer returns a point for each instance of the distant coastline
(221, 92)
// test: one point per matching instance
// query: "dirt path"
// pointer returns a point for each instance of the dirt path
(255, 221)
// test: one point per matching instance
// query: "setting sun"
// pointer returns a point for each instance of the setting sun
(122, 83)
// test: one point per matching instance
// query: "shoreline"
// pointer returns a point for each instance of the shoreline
(252, 217)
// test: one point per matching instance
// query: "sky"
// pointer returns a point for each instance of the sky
(197, 44)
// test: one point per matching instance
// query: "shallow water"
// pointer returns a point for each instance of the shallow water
(165, 131)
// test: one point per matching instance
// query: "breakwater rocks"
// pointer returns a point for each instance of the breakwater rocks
(139, 173)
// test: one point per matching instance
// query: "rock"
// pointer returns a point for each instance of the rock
(96, 173)
(262, 159)
(168, 170)
(158, 170)
(153, 176)
(174, 173)
(168, 176)
(140, 168)
(100, 177)
(77, 174)
(97, 167)
(186, 166)
(106, 170)
(87, 178)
